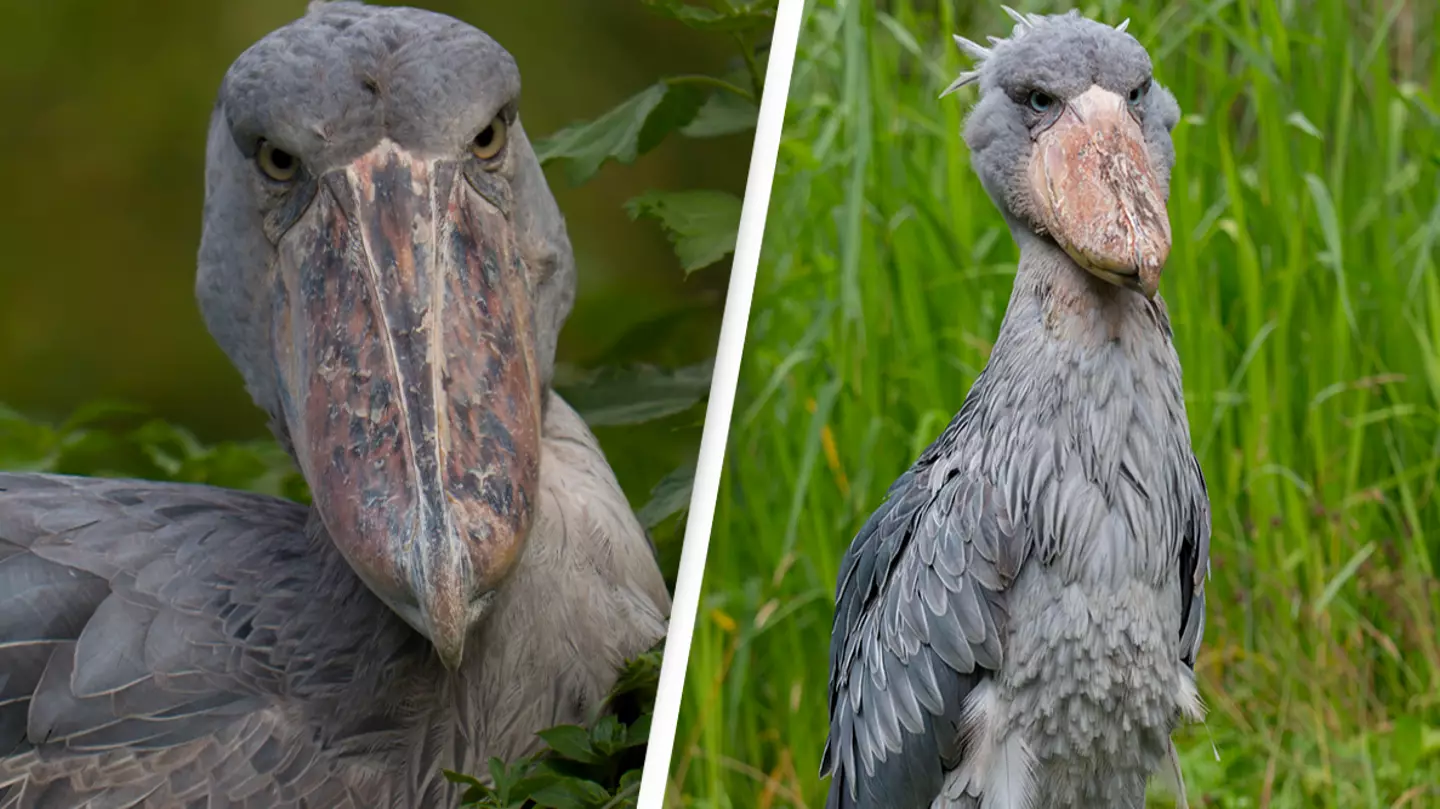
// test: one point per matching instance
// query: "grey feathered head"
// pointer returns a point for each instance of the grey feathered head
(1071, 138)
(383, 261)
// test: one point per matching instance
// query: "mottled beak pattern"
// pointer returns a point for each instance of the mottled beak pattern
(405, 341)
(1097, 193)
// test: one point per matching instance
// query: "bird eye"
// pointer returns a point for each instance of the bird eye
(1138, 94)
(277, 164)
(491, 141)
(1039, 101)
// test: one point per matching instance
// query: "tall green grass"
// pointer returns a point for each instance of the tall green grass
(1305, 293)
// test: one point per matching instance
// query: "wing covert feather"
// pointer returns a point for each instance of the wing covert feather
(919, 613)
(149, 634)
(1194, 567)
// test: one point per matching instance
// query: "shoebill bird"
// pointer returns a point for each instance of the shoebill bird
(1016, 626)
(382, 260)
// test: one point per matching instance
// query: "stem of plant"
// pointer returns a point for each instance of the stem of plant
(711, 81)
(747, 52)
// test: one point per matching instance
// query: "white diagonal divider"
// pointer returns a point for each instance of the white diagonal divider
(722, 402)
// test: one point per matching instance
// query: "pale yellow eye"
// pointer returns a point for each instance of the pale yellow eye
(491, 141)
(277, 164)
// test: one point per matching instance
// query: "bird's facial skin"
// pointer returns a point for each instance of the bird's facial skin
(1093, 187)
(403, 339)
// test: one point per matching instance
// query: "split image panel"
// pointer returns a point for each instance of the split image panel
(771, 404)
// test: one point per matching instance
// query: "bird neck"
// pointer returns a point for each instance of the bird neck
(1076, 308)
(1071, 341)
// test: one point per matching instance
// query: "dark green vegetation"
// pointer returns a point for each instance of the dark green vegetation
(1305, 294)
(584, 768)
(87, 264)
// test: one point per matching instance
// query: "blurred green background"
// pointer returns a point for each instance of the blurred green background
(1305, 295)
(106, 105)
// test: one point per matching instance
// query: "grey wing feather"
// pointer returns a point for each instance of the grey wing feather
(1194, 567)
(919, 611)
(148, 633)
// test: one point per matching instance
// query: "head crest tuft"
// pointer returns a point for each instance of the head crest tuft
(1024, 24)
(1022, 21)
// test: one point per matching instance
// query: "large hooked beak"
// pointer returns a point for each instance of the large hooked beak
(404, 338)
(1098, 194)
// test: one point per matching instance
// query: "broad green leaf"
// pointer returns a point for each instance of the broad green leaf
(681, 323)
(105, 453)
(627, 131)
(614, 135)
(294, 487)
(459, 777)
(474, 790)
(638, 733)
(532, 784)
(570, 741)
(257, 466)
(701, 225)
(723, 113)
(104, 413)
(634, 395)
(739, 17)
(26, 445)
(502, 775)
(629, 789)
(608, 736)
(166, 445)
(670, 496)
(641, 672)
(471, 783)
(681, 103)
(636, 686)
(571, 793)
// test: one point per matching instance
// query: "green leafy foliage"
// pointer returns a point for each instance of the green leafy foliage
(634, 395)
(723, 114)
(700, 224)
(580, 768)
(720, 16)
(670, 496)
(114, 439)
(625, 132)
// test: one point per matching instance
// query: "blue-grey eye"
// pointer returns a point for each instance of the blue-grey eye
(1138, 94)
(1040, 101)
